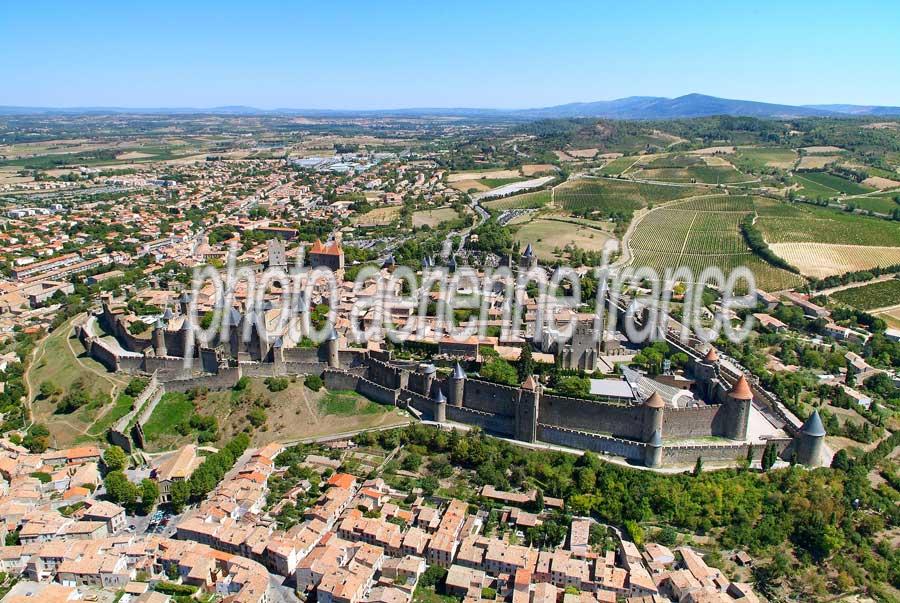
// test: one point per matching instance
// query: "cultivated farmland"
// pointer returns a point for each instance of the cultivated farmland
(800, 223)
(533, 200)
(699, 233)
(882, 294)
(828, 185)
(612, 198)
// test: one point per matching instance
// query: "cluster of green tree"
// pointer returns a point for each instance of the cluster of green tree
(856, 276)
(652, 357)
(210, 472)
(80, 394)
(136, 498)
(492, 238)
(141, 308)
(277, 384)
(757, 243)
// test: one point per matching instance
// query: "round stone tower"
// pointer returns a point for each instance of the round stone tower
(810, 441)
(737, 406)
(429, 371)
(331, 349)
(653, 450)
(159, 338)
(653, 416)
(440, 405)
(457, 385)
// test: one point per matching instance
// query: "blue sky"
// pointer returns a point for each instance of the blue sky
(354, 55)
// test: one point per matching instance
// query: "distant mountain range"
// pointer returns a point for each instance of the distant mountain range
(632, 107)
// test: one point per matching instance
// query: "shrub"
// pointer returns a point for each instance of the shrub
(257, 417)
(314, 382)
(277, 384)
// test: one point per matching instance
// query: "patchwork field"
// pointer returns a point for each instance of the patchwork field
(615, 198)
(379, 216)
(882, 294)
(549, 237)
(433, 217)
(699, 233)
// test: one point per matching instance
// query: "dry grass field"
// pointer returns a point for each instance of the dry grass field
(880, 183)
(823, 259)
(713, 151)
(582, 153)
(488, 174)
(816, 162)
(433, 217)
(469, 185)
(537, 168)
(548, 235)
(820, 150)
(378, 216)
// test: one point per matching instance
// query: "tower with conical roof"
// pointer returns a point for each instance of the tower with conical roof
(706, 373)
(440, 404)
(457, 385)
(653, 416)
(330, 346)
(653, 450)
(810, 441)
(528, 259)
(527, 410)
(159, 338)
(737, 410)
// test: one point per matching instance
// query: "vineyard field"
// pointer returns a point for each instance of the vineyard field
(799, 223)
(611, 198)
(882, 294)
(698, 233)
(700, 173)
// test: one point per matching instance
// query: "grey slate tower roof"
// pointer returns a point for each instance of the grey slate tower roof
(813, 425)
(332, 335)
(168, 315)
(429, 369)
(234, 317)
(528, 251)
(438, 395)
(458, 372)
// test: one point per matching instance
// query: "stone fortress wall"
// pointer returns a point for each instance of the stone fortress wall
(644, 433)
